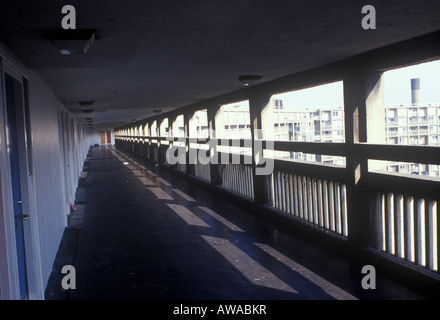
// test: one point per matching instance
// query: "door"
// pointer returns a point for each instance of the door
(14, 101)
(102, 137)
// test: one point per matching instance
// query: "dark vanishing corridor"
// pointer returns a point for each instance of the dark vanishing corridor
(147, 234)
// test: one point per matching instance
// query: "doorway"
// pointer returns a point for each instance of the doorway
(15, 136)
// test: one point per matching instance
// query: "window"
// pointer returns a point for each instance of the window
(237, 117)
(278, 103)
(179, 127)
(403, 140)
(164, 128)
(311, 110)
(198, 124)
(237, 126)
(154, 129)
(413, 106)
(315, 114)
(403, 131)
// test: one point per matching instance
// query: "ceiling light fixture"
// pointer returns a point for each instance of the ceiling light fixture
(248, 80)
(86, 103)
(86, 106)
(72, 41)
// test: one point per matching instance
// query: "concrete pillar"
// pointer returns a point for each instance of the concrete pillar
(364, 123)
(171, 135)
(215, 116)
(162, 127)
(147, 144)
(186, 120)
(262, 128)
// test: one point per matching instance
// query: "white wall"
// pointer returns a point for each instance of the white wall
(47, 166)
(54, 192)
(96, 139)
(48, 190)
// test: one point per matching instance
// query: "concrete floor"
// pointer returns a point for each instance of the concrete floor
(148, 234)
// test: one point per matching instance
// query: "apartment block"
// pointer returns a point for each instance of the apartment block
(413, 125)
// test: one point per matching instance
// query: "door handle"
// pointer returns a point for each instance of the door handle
(22, 217)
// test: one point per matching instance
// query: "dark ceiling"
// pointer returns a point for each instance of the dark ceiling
(165, 54)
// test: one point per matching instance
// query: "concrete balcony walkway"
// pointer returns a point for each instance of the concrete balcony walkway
(148, 234)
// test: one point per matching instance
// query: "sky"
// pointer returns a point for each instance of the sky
(398, 84)
(397, 89)
(329, 95)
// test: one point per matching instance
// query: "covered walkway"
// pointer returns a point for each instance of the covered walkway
(251, 149)
(147, 234)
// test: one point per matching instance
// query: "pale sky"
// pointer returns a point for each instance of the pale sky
(329, 95)
(397, 89)
(398, 84)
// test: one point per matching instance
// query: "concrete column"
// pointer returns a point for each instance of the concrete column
(186, 120)
(171, 120)
(141, 140)
(147, 144)
(262, 128)
(364, 123)
(157, 129)
(215, 115)
(161, 132)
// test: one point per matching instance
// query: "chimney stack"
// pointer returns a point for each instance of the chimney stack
(415, 91)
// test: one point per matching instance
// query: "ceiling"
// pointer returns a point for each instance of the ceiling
(166, 54)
